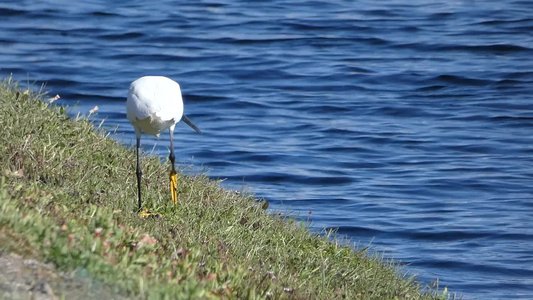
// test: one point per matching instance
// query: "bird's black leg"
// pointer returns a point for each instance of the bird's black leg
(171, 156)
(173, 175)
(139, 174)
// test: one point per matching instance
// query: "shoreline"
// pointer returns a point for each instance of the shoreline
(67, 197)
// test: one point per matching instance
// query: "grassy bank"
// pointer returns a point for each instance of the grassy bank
(67, 196)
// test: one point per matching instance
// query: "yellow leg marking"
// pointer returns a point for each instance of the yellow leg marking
(144, 213)
(174, 187)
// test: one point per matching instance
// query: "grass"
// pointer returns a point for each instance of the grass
(68, 196)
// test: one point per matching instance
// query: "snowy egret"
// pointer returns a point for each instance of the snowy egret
(155, 104)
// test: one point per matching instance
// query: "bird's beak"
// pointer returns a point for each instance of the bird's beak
(191, 124)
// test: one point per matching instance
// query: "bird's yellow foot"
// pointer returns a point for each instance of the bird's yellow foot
(174, 187)
(144, 214)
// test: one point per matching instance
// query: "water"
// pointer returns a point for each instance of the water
(407, 127)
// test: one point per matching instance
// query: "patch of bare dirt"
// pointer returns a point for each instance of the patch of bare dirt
(22, 278)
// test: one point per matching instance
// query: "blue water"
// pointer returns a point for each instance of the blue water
(408, 127)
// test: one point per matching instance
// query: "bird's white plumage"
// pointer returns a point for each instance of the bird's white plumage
(154, 104)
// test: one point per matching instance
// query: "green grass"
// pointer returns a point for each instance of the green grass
(68, 196)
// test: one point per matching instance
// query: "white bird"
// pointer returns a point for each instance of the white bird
(155, 104)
